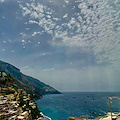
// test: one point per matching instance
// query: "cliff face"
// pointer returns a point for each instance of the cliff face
(27, 83)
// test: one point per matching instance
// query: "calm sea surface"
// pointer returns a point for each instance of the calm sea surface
(79, 104)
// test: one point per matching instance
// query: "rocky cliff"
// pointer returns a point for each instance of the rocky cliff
(27, 83)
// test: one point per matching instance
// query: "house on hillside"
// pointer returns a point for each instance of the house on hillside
(3, 75)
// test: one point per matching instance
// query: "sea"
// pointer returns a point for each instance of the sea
(78, 104)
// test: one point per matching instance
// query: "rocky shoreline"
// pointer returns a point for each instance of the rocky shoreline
(44, 117)
(108, 116)
(15, 103)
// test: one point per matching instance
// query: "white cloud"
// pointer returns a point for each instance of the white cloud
(82, 5)
(25, 67)
(35, 33)
(95, 26)
(50, 69)
(34, 15)
(23, 41)
(23, 35)
(29, 41)
(73, 7)
(38, 42)
(3, 49)
(72, 21)
(4, 42)
(67, 1)
(36, 11)
(1, 1)
(9, 40)
(27, 28)
(24, 47)
(33, 22)
(65, 16)
(25, 10)
(48, 16)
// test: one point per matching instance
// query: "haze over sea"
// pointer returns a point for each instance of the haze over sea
(78, 104)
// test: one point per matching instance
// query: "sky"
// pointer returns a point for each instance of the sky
(72, 45)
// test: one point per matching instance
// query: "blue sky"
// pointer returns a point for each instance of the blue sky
(72, 45)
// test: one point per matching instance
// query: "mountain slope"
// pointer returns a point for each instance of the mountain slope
(29, 84)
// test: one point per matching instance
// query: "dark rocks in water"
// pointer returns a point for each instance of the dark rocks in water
(93, 112)
(75, 118)
(67, 98)
(73, 97)
(74, 108)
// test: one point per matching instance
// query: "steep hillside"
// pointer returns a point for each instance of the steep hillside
(29, 84)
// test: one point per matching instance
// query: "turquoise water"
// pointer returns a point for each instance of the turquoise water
(80, 104)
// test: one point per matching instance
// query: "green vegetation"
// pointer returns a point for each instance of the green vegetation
(6, 81)
(9, 92)
(2, 82)
(35, 112)
(32, 97)
(21, 101)
(15, 87)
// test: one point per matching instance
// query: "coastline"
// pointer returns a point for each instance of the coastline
(115, 116)
(44, 117)
(15, 103)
